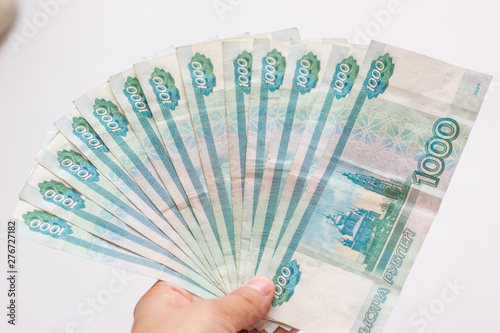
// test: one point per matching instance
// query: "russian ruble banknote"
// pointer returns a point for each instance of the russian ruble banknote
(340, 73)
(316, 163)
(264, 100)
(238, 62)
(202, 72)
(51, 194)
(367, 208)
(63, 159)
(129, 94)
(306, 66)
(47, 229)
(130, 173)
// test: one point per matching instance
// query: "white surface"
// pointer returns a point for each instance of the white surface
(87, 41)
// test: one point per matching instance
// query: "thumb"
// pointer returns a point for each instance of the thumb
(244, 306)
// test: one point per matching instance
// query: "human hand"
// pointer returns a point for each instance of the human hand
(166, 308)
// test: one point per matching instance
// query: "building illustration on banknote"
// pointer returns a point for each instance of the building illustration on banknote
(364, 230)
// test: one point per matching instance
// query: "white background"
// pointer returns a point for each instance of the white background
(87, 41)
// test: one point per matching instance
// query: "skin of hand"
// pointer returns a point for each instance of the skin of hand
(166, 308)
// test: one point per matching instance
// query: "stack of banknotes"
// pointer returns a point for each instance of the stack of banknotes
(316, 163)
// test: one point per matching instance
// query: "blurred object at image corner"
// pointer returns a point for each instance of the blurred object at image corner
(7, 15)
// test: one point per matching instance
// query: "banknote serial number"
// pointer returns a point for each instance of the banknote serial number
(437, 148)
(11, 272)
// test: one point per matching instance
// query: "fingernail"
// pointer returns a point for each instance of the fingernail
(262, 284)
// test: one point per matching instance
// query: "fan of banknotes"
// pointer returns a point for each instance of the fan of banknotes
(316, 163)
